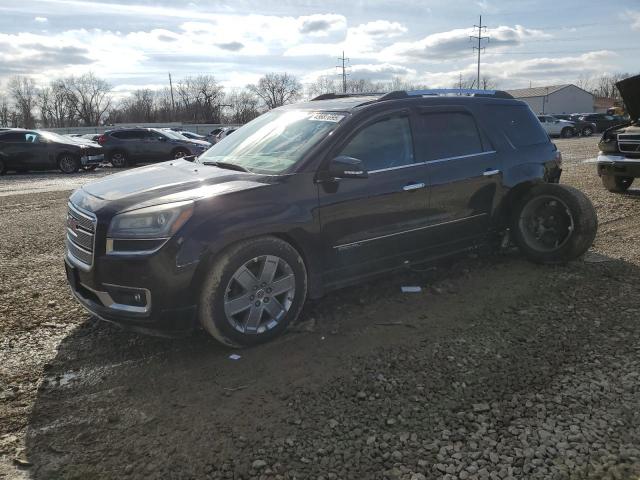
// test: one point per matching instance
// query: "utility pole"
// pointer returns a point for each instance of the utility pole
(173, 105)
(460, 83)
(481, 29)
(344, 72)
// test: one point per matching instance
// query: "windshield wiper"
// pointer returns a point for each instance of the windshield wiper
(230, 166)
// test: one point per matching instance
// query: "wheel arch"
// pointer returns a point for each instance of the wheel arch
(315, 287)
(511, 200)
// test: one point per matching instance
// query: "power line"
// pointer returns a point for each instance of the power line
(481, 28)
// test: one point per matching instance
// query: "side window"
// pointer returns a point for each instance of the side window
(14, 137)
(448, 134)
(31, 137)
(122, 135)
(384, 144)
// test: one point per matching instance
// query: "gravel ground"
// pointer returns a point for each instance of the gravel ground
(499, 369)
(40, 182)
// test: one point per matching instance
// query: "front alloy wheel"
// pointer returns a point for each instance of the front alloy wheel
(252, 291)
(259, 294)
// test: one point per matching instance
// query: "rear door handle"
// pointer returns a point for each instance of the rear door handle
(490, 172)
(413, 186)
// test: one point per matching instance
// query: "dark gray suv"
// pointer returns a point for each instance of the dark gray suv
(127, 146)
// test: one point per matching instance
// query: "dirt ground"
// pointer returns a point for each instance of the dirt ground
(499, 369)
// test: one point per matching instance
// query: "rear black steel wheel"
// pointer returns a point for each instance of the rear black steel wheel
(253, 291)
(554, 223)
(119, 159)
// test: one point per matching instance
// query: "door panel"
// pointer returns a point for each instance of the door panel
(372, 224)
(464, 171)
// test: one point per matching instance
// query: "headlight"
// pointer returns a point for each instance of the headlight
(158, 222)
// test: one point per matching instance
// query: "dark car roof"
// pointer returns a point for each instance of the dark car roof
(350, 103)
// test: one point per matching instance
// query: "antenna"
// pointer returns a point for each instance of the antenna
(481, 29)
(344, 71)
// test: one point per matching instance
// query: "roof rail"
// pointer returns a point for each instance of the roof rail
(332, 96)
(464, 92)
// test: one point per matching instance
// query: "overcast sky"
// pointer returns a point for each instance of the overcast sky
(135, 43)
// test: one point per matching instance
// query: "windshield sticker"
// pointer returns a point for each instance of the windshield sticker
(326, 117)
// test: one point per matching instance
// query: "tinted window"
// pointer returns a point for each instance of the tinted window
(384, 144)
(448, 134)
(129, 134)
(12, 137)
(519, 125)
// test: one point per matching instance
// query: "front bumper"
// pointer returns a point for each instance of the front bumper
(87, 160)
(618, 165)
(101, 301)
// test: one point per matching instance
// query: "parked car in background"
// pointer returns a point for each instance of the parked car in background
(181, 135)
(603, 121)
(213, 134)
(73, 135)
(581, 127)
(315, 196)
(24, 150)
(193, 136)
(556, 127)
(619, 158)
(92, 136)
(225, 132)
(127, 146)
(82, 140)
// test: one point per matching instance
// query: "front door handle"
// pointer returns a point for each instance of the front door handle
(413, 186)
(490, 172)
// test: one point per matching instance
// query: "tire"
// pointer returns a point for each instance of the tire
(179, 153)
(222, 293)
(587, 131)
(554, 223)
(567, 132)
(616, 184)
(118, 159)
(68, 163)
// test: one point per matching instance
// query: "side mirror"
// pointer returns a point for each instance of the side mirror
(162, 139)
(347, 167)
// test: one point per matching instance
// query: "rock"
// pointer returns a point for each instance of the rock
(333, 423)
(481, 407)
(361, 395)
(52, 303)
(258, 464)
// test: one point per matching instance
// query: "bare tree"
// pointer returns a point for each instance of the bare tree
(23, 91)
(243, 105)
(199, 99)
(277, 89)
(89, 96)
(323, 84)
(5, 112)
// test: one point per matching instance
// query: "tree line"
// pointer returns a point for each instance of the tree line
(88, 100)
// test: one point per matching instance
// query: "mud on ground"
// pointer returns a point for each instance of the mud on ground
(498, 369)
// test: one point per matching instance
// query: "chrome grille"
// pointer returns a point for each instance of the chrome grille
(81, 229)
(629, 143)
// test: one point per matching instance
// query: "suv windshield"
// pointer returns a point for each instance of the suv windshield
(274, 141)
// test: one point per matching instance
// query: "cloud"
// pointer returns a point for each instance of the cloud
(376, 72)
(635, 19)
(379, 29)
(453, 43)
(320, 25)
(41, 19)
(231, 46)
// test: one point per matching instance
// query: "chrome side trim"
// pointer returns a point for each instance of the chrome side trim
(397, 168)
(438, 160)
(489, 173)
(413, 186)
(354, 244)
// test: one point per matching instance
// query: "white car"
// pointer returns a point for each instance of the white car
(556, 127)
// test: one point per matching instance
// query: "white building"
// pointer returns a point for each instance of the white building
(556, 99)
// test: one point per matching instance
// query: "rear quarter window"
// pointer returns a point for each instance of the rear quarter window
(519, 125)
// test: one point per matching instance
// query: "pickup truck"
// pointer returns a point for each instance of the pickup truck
(619, 159)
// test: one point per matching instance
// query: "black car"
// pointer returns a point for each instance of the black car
(602, 121)
(127, 146)
(619, 158)
(24, 150)
(315, 196)
(581, 127)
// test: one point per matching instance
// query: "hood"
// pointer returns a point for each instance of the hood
(630, 91)
(173, 181)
